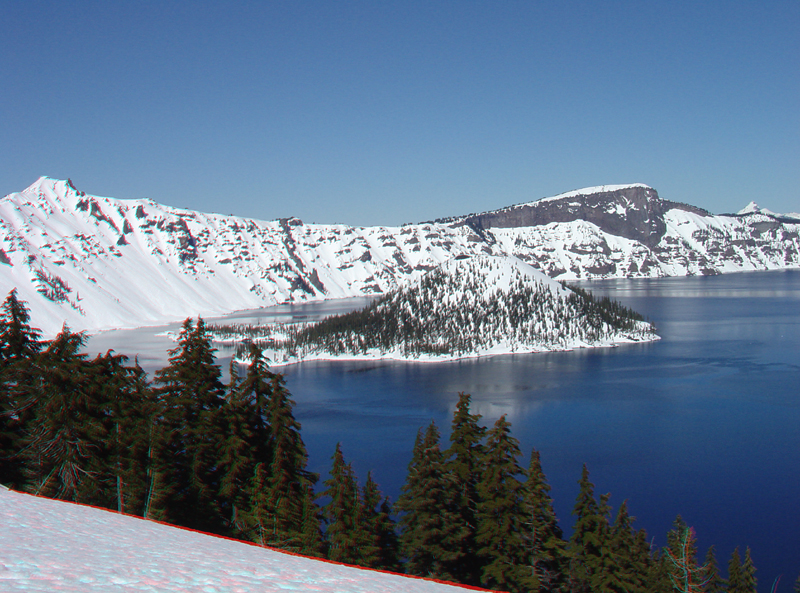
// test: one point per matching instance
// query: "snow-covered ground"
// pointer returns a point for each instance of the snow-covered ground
(48, 546)
(101, 263)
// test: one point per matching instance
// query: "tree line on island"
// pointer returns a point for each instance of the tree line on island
(456, 312)
(229, 459)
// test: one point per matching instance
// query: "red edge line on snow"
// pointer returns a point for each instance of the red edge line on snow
(255, 545)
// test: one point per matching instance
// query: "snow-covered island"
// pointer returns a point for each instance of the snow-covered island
(468, 307)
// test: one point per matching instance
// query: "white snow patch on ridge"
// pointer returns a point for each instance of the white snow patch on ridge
(587, 191)
(49, 545)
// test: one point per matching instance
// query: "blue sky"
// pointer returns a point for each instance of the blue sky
(388, 112)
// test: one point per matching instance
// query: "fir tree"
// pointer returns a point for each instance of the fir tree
(193, 395)
(20, 344)
(311, 542)
(501, 515)
(626, 552)
(237, 462)
(370, 525)
(128, 410)
(388, 542)
(62, 450)
(342, 512)
(588, 545)
(714, 583)
(749, 580)
(430, 525)
(736, 582)
(289, 479)
(545, 546)
(684, 573)
(465, 463)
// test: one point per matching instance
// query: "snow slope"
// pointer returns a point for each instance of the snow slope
(98, 263)
(49, 545)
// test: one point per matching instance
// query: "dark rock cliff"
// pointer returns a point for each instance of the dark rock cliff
(634, 212)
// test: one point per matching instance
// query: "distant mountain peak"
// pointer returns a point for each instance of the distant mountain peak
(751, 208)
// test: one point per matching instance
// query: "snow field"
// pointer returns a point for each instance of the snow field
(48, 545)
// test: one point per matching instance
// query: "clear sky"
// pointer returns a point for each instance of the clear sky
(383, 112)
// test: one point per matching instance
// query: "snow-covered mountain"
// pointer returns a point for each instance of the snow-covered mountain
(49, 545)
(467, 307)
(99, 262)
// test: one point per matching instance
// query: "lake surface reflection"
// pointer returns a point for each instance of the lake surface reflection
(703, 422)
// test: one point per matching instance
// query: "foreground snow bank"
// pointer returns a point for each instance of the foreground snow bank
(49, 545)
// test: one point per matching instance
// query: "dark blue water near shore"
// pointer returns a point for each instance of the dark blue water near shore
(705, 422)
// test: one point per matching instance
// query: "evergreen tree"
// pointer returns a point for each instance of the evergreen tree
(736, 582)
(685, 574)
(289, 479)
(588, 545)
(714, 583)
(430, 525)
(388, 542)
(128, 410)
(370, 525)
(749, 580)
(545, 546)
(20, 344)
(629, 561)
(465, 464)
(311, 542)
(237, 462)
(501, 515)
(67, 434)
(259, 517)
(342, 512)
(193, 395)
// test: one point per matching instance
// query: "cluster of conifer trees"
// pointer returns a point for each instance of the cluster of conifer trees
(229, 459)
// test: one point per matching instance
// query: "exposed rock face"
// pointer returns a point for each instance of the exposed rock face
(634, 212)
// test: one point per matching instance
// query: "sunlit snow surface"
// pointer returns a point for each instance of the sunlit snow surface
(48, 545)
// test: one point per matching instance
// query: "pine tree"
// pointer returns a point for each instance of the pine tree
(501, 515)
(685, 574)
(288, 476)
(588, 545)
(128, 410)
(311, 542)
(714, 583)
(736, 582)
(370, 525)
(388, 542)
(545, 546)
(464, 463)
(259, 517)
(193, 395)
(749, 580)
(237, 462)
(68, 435)
(20, 344)
(430, 525)
(630, 562)
(341, 513)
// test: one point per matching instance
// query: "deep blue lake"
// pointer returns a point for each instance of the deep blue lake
(704, 423)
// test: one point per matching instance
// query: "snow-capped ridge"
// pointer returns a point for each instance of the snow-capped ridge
(99, 262)
(588, 191)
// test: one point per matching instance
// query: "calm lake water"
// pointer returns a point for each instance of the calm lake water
(705, 422)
